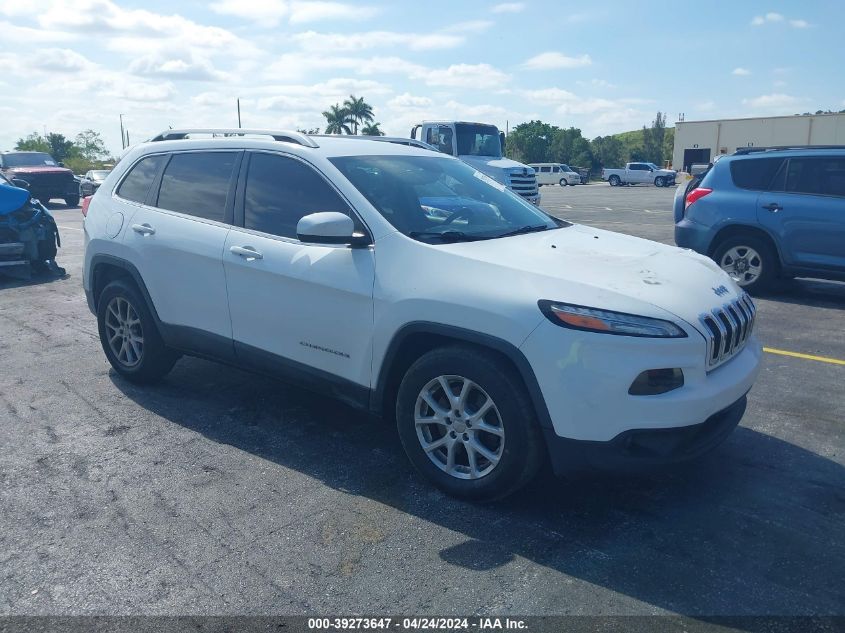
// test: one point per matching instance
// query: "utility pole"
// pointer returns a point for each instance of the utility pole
(122, 134)
(239, 114)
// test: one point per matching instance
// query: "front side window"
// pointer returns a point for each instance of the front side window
(197, 183)
(280, 191)
(437, 199)
(556, 169)
(819, 176)
(136, 185)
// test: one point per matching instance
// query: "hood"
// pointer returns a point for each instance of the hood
(482, 163)
(602, 269)
(38, 169)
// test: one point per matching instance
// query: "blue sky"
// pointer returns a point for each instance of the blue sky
(603, 67)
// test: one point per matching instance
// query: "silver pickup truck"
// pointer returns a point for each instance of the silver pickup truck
(637, 173)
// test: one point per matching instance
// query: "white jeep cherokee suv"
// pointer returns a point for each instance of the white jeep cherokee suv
(405, 282)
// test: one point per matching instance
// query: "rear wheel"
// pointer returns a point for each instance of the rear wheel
(749, 260)
(614, 181)
(466, 423)
(129, 335)
(72, 201)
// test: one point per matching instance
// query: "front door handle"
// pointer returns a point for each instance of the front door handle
(143, 229)
(247, 252)
(774, 207)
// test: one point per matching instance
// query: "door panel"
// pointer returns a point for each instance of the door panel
(309, 304)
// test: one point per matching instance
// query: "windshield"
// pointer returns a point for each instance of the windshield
(478, 140)
(28, 159)
(565, 168)
(652, 165)
(440, 200)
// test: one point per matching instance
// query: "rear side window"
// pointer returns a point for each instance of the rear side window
(197, 183)
(819, 176)
(280, 191)
(755, 173)
(137, 183)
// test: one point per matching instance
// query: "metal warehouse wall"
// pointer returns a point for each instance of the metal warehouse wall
(728, 135)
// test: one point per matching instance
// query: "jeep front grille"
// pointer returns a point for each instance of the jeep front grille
(728, 328)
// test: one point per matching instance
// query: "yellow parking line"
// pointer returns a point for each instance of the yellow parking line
(821, 359)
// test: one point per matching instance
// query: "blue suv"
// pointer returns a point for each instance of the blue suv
(768, 213)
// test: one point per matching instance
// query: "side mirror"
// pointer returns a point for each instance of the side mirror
(60, 164)
(502, 141)
(329, 227)
(23, 184)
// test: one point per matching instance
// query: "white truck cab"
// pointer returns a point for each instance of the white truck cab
(480, 145)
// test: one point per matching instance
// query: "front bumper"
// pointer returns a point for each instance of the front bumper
(643, 449)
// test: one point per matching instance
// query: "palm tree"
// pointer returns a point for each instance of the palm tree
(372, 129)
(338, 120)
(360, 111)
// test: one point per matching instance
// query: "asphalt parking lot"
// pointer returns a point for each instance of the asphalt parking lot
(221, 492)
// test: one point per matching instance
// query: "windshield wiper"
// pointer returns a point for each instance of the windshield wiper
(446, 236)
(529, 228)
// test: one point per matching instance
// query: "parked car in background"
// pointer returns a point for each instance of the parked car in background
(639, 173)
(764, 214)
(556, 174)
(44, 177)
(312, 259)
(91, 181)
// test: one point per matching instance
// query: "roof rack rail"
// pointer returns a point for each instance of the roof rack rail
(783, 148)
(285, 136)
(397, 140)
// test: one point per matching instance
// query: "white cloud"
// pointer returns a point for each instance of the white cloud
(552, 60)
(333, 42)
(268, 12)
(596, 83)
(407, 100)
(509, 7)
(467, 76)
(176, 65)
(60, 60)
(302, 12)
(770, 18)
(741, 72)
(774, 102)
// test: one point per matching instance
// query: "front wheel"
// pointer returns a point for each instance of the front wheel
(467, 424)
(614, 181)
(129, 335)
(749, 261)
(563, 182)
(660, 181)
(72, 201)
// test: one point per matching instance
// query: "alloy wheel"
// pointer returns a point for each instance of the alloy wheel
(743, 264)
(124, 333)
(459, 427)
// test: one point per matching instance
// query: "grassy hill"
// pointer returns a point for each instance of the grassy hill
(633, 140)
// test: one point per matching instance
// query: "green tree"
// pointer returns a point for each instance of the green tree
(531, 142)
(90, 146)
(359, 111)
(607, 151)
(653, 140)
(338, 120)
(33, 143)
(61, 148)
(372, 129)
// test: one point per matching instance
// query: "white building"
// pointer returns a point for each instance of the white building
(697, 142)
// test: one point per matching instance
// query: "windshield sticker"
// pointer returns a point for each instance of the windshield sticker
(489, 181)
(49, 162)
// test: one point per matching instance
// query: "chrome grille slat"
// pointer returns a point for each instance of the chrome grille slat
(727, 329)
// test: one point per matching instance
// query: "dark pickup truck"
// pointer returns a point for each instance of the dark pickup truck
(44, 177)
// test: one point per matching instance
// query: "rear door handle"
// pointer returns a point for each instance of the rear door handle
(247, 252)
(143, 229)
(774, 207)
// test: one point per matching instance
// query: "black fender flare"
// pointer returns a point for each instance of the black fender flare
(130, 269)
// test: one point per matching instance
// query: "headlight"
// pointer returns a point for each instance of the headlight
(608, 322)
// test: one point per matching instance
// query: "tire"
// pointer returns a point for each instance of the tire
(614, 180)
(72, 201)
(660, 181)
(563, 182)
(147, 359)
(756, 253)
(512, 437)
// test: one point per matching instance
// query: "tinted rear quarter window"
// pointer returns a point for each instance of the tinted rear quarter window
(137, 183)
(280, 191)
(197, 183)
(823, 176)
(755, 173)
